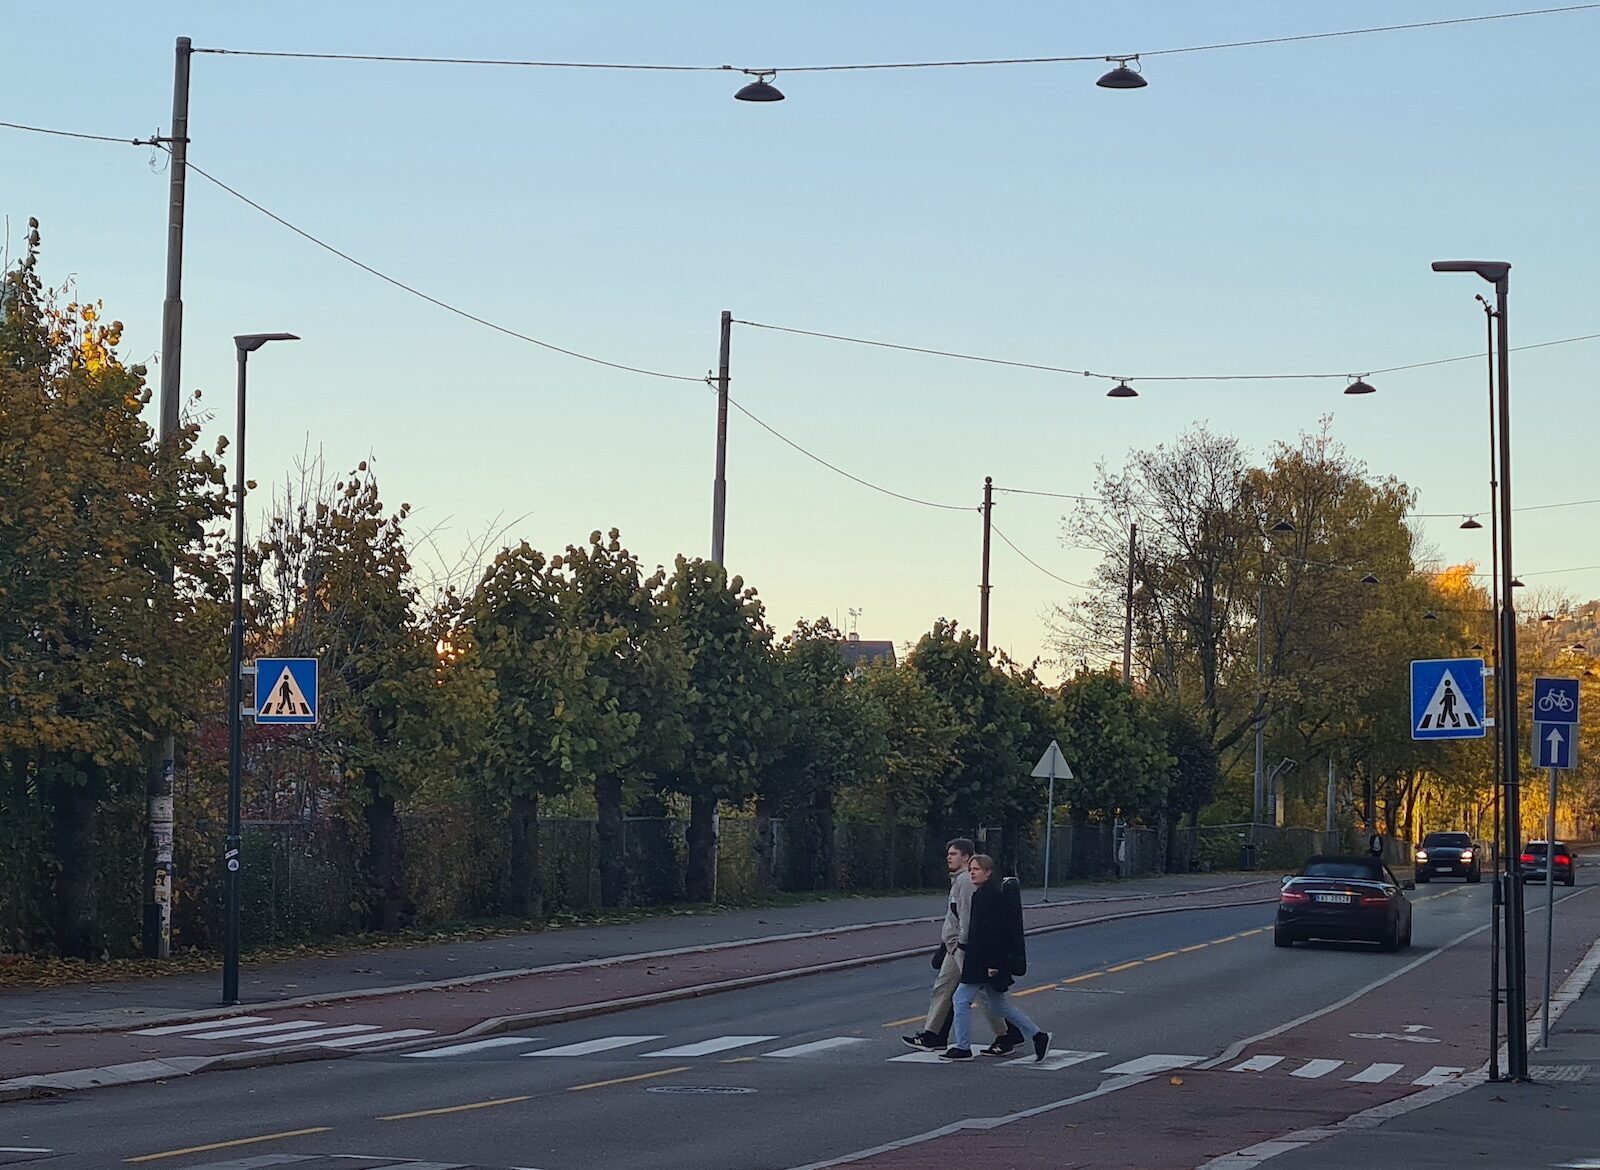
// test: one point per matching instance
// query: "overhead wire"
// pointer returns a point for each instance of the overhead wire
(1012, 544)
(1215, 46)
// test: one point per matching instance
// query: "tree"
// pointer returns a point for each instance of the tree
(337, 586)
(97, 649)
(1114, 746)
(646, 675)
(1194, 773)
(733, 699)
(551, 704)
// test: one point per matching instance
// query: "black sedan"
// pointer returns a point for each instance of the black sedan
(1531, 863)
(1449, 855)
(1344, 898)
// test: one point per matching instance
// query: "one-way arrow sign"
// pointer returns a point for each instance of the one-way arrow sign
(1554, 745)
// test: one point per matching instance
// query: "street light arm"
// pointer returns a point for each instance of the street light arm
(1494, 271)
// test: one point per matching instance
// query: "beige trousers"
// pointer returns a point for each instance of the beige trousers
(944, 991)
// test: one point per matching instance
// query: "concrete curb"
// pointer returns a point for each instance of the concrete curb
(200, 1015)
(50, 1084)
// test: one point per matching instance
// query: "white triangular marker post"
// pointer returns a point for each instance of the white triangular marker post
(1050, 765)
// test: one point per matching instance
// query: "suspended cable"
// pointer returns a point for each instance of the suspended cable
(433, 300)
(815, 458)
(76, 134)
(1031, 561)
(879, 65)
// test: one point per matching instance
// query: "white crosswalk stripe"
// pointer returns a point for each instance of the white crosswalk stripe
(1438, 1075)
(828, 1045)
(471, 1046)
(1376, 1074)
(1257, 1064)
(1312, 1069)
(1156, 1062)
(917, 1058)
(715, 1044)
(375, 1038)
(232, 1033)
(589, 1047)
(205, 1026)
(1055, 1059)
(312, 1034)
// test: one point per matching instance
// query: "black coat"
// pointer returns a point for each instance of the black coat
(991, 937)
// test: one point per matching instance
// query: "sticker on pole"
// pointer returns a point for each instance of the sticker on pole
(1447, 698)
(286, 690)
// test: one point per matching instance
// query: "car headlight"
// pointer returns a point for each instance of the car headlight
(1466, 855)
(1422, 855)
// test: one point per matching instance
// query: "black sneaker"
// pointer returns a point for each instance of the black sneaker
(1041, 1045)
(956, 1054)
(1001, 1047)
(923, 1041)
(1013, 1035)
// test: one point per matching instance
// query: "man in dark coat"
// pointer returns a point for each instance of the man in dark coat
(994, 953)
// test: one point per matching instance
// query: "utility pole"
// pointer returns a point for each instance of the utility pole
(983, 589)
(157, 933)
(1333, 801)
(1127, 618)
(719, 486)
(1496, 894)
(1258, 792)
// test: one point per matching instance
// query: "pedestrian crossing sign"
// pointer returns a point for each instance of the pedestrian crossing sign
(1447, 698)
(286, 690)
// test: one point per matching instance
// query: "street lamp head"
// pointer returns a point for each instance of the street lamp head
(1122, 77)
(760, 90)
(250, 342)
(1547, 617)
(1122, 390)
(1471, 522)
(1577, 647)
(1493, 271)
(1370, 579)
(1282, 526)
(1516, 583)
(1360, 386)
(1430, 616)
(1476, 647)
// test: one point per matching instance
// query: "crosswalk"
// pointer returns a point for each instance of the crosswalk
(260, 1031)
(758, 1047)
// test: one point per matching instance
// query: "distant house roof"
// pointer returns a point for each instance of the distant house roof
(857, 652)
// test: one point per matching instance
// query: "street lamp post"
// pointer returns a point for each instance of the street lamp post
(244, 345)
(1497, 273)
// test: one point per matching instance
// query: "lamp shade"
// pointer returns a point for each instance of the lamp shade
(1122, 78)
(759, 90)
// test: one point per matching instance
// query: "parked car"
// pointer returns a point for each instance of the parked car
(1453, 854)
(1531, 864)
(1347, 898)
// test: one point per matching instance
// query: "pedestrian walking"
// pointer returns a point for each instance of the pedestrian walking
(947, 961)
(993, 955)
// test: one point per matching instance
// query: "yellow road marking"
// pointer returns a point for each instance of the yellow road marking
(660, 1072)
(1157, 958)
(1124, 967)
(453, 1109)
(1196, 947)
(250, 1141)
(738, 1059)
(904, 1022)
(1034, 990)
(1081, 978)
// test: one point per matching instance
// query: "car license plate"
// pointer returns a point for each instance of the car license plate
(1444, 869)
(1343, 899)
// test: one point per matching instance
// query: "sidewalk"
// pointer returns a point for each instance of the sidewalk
(79, 1037)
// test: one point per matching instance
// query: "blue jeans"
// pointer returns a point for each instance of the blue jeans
(999, 1003)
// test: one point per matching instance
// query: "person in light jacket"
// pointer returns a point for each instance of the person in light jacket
(993, 950)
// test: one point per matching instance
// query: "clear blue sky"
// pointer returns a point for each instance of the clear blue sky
(1264, 209)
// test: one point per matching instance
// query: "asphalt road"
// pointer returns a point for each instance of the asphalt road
(647, 1088)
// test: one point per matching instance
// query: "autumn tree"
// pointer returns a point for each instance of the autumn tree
(98, 649)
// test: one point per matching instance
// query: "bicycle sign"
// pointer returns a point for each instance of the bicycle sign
(1555, 700)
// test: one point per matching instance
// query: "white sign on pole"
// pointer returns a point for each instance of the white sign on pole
(1050, 765)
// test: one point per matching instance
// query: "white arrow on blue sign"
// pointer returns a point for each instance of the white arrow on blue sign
(1554, 744)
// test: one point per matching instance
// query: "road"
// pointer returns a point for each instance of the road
(812, 1070)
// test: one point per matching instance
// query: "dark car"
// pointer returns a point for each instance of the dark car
(1531, 864)
(1449, 855)
(1346, 898)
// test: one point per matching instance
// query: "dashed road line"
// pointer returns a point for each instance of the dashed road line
(442, 1110)
(249, 1141)
(660, 1072)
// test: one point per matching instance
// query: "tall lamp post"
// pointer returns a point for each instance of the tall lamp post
(1497, 273)
(244, 345)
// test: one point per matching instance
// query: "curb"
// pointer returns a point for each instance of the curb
(74, 1080)
(202, 1014)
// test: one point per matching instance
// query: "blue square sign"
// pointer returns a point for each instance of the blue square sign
(1447, 698)
(286, 690)
(1555, 700)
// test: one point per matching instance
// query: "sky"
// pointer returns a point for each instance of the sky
(1254, 210)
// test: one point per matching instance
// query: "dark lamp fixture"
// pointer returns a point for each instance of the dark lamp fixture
(1282, 526)
(760, 90)
(1360, 386)
(1476, 647)
(1547, 617)
(1122, 390)
(1122, 77)
(1370, 579)
(1516, 583)
(1430, 616)
(1471, 522)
